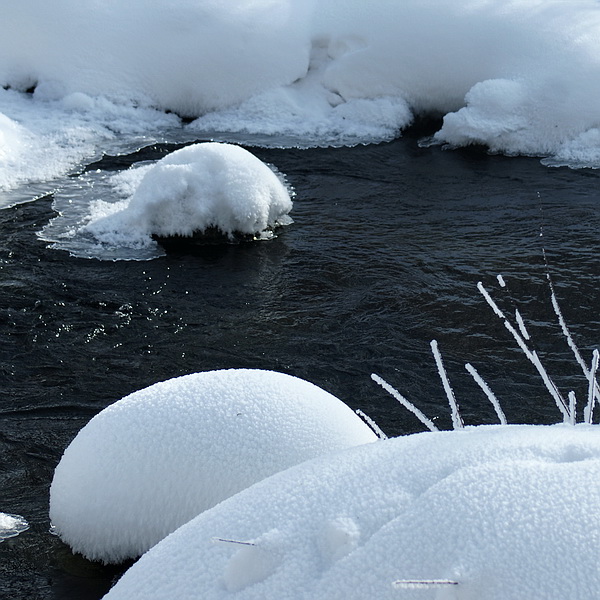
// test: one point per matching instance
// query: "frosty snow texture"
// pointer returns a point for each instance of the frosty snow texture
(153, 460)
(506, 512)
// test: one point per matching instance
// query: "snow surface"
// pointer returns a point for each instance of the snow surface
(153, 460)
(193, 189)
(520, 76)
(42, 140)
(490, 512)
(11, 525)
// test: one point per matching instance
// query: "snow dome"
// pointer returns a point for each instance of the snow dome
(491, 512)
(153, 460)
(198, 191)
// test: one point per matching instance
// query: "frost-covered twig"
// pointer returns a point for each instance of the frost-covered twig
(367, 419)
(573, 407)
(406, 403)
(457, 422)
(521, 325)
(530, 354)
(417, 584)
(563, 324)
(488, 392)
(589, 409)
(219, 540)
(565, 329)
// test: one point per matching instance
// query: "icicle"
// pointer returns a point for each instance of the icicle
(378, 432)
(589, 409)
(488, 392)
(457, 422)
(406, 403)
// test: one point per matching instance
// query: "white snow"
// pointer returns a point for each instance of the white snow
(191, 190)
(11, 525)
(42, 140)
(506, 512)
(520, 76)
(153, 460)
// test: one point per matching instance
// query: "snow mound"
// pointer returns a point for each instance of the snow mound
(196, 189)
(495, 512)
(11, 525)
(153, 460)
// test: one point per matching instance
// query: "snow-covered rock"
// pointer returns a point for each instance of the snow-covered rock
(153, 460)
(482, 513)
(199, 188)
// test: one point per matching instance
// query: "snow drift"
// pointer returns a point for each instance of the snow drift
(153, 460)
(494, 512)
(520, 76)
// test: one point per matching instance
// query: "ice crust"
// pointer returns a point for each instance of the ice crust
(520, 76)
(194, 189)
(506, 512)
(11, 525)
(153, 460)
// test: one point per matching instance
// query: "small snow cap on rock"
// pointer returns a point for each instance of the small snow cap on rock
(157, 458)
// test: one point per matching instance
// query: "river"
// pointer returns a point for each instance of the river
(384, 255)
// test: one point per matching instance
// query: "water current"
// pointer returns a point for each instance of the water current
(384, 255)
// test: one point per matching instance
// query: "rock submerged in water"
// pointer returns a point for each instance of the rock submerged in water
(212, 236)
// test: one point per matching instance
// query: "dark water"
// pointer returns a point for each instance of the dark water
(388, 244)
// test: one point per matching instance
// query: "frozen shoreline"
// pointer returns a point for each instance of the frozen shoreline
(520, 79)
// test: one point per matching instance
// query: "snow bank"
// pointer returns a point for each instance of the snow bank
(43, 140)
(155, 459)
(494, 512)
(11, 526)
(520, 76)
(187, 56)
(192, 190)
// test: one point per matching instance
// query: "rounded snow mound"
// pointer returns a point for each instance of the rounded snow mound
(196, 190)
(490, 512)
(155, 459)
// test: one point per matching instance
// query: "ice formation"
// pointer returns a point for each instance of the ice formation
(153, 460)
(520, 76)
(496, 512)
(11, 525)
(198, 188)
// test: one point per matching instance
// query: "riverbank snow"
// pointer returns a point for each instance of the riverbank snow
(520, 76)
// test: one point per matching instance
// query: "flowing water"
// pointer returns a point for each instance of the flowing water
(384, 255)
